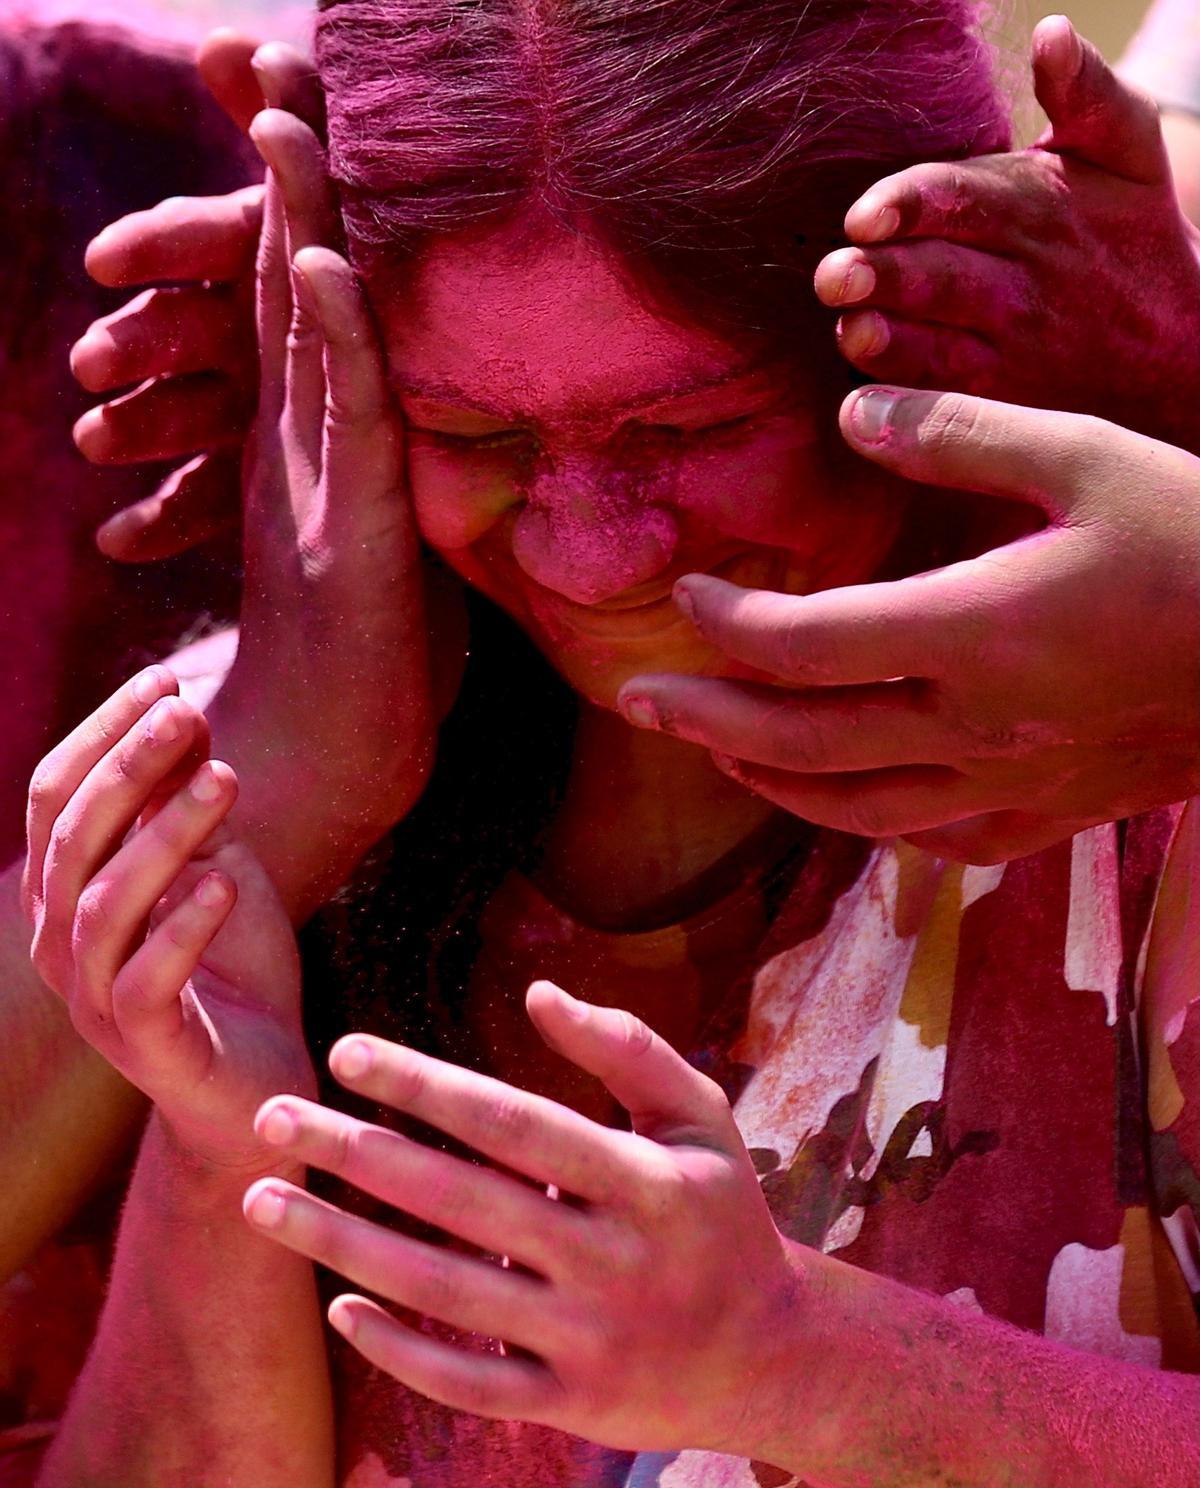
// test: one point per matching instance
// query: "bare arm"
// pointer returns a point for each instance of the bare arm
(66, 1115)
(209, 1365)
(917, 1391)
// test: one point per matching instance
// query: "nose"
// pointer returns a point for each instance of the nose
(590, 532)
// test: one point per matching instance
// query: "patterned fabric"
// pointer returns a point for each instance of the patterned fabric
(983, 1082)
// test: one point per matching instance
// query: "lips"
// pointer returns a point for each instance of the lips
(654, 591)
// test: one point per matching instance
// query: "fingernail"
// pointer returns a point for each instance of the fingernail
(279, 1127)
(147, 685)
(205, 786)
(351, 1059)
(341, 1317)
(858, 284)
(872, 413)
(865, 333)
(684, 602)
(267, 1208)
(161, 723)
(882, 225)
(641, 712)
(211, 891)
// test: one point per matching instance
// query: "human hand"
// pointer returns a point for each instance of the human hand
(186, 346)
(157, 927)
(328, 700)
(1063, 276)
(994, 706)
(643, 1313)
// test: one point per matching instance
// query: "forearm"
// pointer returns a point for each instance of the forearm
(889, 1387)
(308, 830)
(209, 1365)
(66, 1116)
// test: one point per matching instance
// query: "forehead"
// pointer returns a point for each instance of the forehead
(531, 320)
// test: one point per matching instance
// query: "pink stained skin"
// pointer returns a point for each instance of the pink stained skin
(984, 276)
(992, 745)
(572, 452)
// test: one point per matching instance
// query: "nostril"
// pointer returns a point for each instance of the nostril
(590, 556)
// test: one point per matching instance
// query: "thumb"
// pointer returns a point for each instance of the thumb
(1048, 460)
(1093, 114)
(666, 1098)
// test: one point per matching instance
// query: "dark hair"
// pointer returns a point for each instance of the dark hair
(703, 139)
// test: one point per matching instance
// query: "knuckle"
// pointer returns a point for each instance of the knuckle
(951, 424)
(802, 745)
(504, 1118)
(635, 1036)
(47, 795)
(433, 1289)
(93, 919)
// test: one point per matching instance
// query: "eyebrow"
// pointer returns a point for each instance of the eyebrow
(676, 392)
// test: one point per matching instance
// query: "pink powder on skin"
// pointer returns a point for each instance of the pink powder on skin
(572, 452)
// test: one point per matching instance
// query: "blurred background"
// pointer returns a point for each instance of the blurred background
(1109, 23)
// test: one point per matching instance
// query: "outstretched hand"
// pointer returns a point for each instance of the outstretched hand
(1063, 276)
(994, 706)
(642, 1313)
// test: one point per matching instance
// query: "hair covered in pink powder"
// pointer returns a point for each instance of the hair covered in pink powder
(704, 140)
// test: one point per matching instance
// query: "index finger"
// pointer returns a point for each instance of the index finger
(979, 202)
(184, 239)
(839, 637)
(69, 763)
(527, 1133)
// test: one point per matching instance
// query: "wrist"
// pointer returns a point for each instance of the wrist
(205, 1165)
(807, 1382)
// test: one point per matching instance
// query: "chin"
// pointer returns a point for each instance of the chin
(597, 666)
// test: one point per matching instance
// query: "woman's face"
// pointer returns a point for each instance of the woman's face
(572, 453)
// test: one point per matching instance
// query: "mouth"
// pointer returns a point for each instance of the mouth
(646, 596)
(649, 609)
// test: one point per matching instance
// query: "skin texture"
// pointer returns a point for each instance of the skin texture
(663, 1200)
(572, 453)
(189, 1011)
(961, 269)
(991, 744)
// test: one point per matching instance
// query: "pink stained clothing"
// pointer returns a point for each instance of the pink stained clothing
(1164, 56)
(940, 1076)
(983, 1082)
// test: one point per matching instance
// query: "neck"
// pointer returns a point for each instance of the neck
(645, 817)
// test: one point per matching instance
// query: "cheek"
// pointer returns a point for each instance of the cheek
(456, 499)
(776, 489)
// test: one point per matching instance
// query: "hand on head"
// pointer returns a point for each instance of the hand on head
(185, 346)
(997, 705)
(1064, 276)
